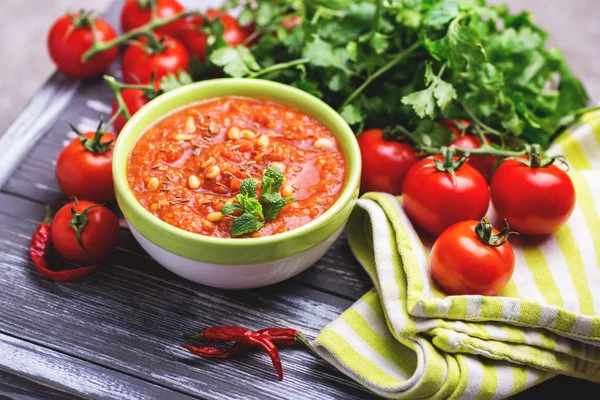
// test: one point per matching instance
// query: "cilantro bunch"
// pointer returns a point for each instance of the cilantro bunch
(255, 212)
(408, 62)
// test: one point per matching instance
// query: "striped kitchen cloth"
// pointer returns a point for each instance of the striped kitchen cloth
(406, 339)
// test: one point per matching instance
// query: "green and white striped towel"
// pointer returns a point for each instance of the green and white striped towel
(406, 339)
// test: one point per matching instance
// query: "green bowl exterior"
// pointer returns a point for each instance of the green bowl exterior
(242, 251)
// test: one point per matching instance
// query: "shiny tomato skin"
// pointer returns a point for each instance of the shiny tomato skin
(86, 175)
(99, 236)
(462, 264)
(433, 200)
(67, 44)
(234, 34)
(384, 163)
(534, 201)
(193, 38)
(133, 16)
(485, 165)
(138, 66)
(134, 100)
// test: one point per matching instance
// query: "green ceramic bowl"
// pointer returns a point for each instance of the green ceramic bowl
(172, 246)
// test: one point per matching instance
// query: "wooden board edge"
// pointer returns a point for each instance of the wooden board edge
(35, 120)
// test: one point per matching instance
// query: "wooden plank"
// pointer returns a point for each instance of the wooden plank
(60, 376)
(128, 317)
(15, 387)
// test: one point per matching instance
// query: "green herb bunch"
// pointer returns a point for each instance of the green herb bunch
(255, 212)
(409, 62)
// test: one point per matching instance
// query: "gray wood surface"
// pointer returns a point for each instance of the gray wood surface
(116, 333)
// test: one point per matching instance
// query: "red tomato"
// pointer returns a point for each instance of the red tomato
(138, 66)
(193, 38)
(534, 201)
(99, 236)
(434, 200)
(135, 14)
(462, 262)
(290, 23)
(485, 165)
(85, 174)
(71, 36)
(234, 34)
(384, 163)
(134, 100)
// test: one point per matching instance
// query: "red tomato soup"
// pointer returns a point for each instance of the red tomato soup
(191, 163)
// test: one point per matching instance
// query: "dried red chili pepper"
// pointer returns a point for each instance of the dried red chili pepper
(39, 249)
(244, 340)
(242, 336)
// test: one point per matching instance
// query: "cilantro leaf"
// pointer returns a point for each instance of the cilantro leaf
(320, 53)
(244, 224)
(441, 13)
(352, 114)
(438, 92)
(237, 62)
(172, 81)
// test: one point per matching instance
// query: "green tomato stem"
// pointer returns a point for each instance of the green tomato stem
(115, 87)
(142, 30)
(484, 151)
(279, 66)
(392, 63)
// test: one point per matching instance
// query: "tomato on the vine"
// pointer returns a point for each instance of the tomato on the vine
(84, 167)
(234, 34)
(385, 163)
(136, 13)
(71, 37)
(134, 100)
(472, 257)
(290, 23)
(193, 38)
(534, 195)
(85, 232)
(485, 165)
(439, 191)
(155, 58)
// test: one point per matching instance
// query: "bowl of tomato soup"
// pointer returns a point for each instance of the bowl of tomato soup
(182, 162)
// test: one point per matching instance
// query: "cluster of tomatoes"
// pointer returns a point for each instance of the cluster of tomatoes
(84, 230)
(448, 196)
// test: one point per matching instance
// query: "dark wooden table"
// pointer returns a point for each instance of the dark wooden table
(116, 333)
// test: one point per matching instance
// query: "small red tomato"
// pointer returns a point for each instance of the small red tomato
(192, 37)
(143, 60)
(71, 37)
(136, 13)
(485, 165)
(471, 257)
(94, 236)
(434, 199)
(85, 170)
(234, 34)
(290, 23)
(535, 200)
(134, 100)
(384, 163)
